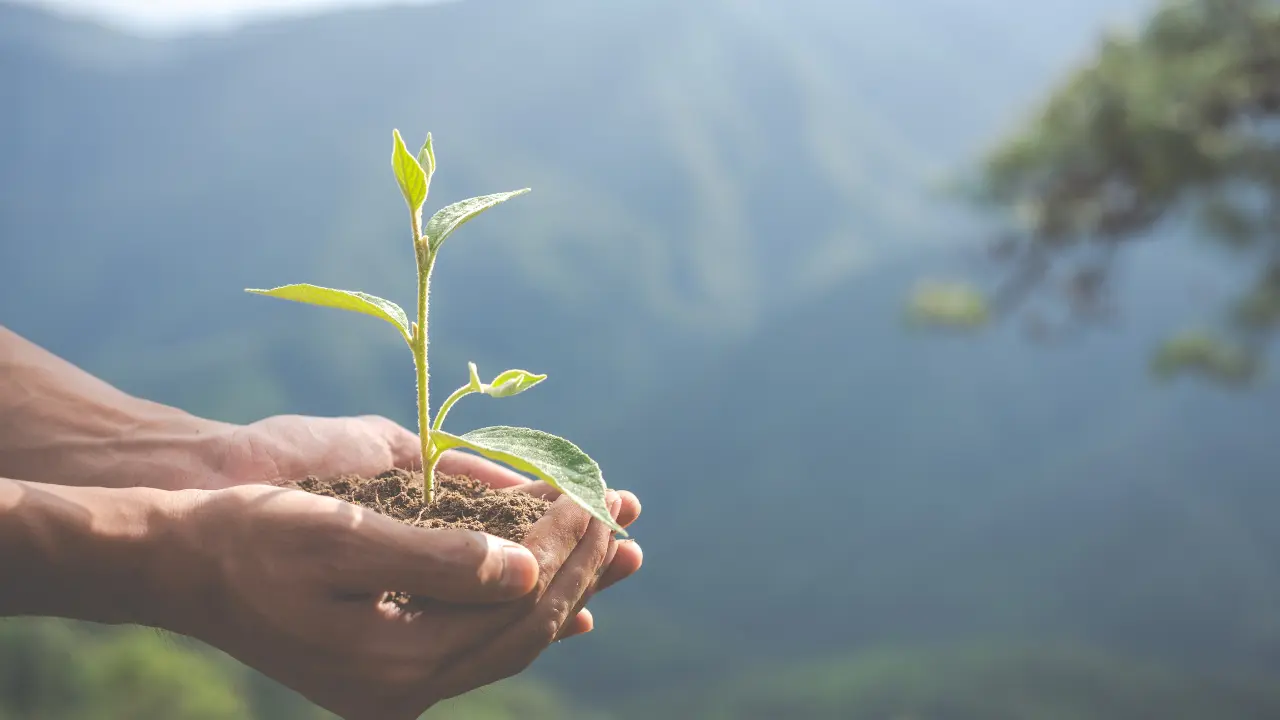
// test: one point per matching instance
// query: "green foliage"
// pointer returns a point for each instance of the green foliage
(427, 158)
(142, 675)
(554, 459)
(411, 177)
(955, 304)
(1199, 352)
(343, 300)
(508, 383)
(514, 699)
(985, 683)
(52, 670)
(1176, 117)
(1153, 118)
(450, 218)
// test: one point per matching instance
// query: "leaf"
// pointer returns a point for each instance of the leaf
(511, 382)
(343, 300)
(427, 159)
(551, 458)
(409, 174)
(450, 218)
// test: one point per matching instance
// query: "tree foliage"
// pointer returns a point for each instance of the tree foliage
(1175, 122)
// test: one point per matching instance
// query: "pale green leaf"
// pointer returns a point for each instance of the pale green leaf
(343, 300)
(427, 159)
(556, 460)
(409, 174)
(511, 382)
(450, 218)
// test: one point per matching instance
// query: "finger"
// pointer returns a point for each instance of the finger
(461, 566)
(553, 539)
(626, 562)
(521, 642)
(580, 624)
(563, 599)
(591, 590)
(629, 511)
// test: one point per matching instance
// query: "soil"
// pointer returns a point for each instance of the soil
(460, 502)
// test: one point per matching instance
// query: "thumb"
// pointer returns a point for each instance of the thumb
(461, 566)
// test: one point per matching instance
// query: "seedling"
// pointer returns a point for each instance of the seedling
(555, 460)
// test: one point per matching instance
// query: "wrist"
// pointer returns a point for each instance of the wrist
(96, 554)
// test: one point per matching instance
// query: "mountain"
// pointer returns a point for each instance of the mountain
(839, 482)
(702, 165)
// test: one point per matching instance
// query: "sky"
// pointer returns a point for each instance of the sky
(170, 16)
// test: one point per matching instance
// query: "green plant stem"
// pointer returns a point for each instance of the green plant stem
(425, 260)
(457, 395)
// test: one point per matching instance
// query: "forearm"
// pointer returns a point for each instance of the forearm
(103, 555)
(59, 424)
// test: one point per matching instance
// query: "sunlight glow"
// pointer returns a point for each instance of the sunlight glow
(175, 16)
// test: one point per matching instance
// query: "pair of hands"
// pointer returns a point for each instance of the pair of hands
(149, 514)
(293, 581)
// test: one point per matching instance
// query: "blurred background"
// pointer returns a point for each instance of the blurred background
(932, 334)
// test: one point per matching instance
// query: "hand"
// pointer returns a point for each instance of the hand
(625, 556)
(285, 448)
(292, 584)
(289, 447)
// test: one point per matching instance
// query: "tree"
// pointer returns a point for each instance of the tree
(1178, 120)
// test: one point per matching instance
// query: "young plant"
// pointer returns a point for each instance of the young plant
(553, 459)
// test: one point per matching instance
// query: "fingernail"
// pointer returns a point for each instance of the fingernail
(615, 503)
(519, 569)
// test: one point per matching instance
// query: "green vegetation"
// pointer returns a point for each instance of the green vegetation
(554, 459)
(1199, 351)
(949, 304)
(51, 670)
(1174, 120)
(987, 683)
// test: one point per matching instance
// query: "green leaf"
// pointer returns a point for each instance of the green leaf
(511, 382)
(427, 159)
(450, 218)
(409, 174)
(551, 458)
(343, 300)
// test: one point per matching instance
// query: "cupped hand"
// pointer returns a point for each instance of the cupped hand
(289, 447)
(292, 584)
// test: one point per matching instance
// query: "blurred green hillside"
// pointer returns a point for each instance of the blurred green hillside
(731, 198)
